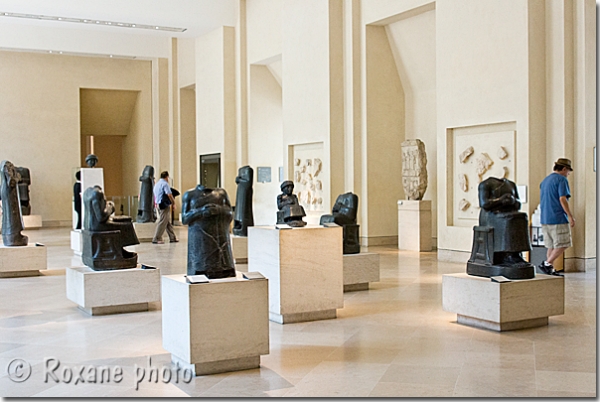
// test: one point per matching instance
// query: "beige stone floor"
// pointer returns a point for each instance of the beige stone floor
(392, 340)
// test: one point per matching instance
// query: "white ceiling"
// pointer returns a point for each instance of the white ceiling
(198, 16)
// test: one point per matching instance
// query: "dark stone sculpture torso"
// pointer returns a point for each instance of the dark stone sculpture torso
(502, 233)
(104, 236)
(146, 203)
(12, 220)
(24, 183)
(290, 210)
(344, 214)
(207, 212)
(243, 202)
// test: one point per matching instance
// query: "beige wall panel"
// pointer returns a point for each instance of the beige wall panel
(387, 11)
(189, 159)
(186, 61)
(263, 19)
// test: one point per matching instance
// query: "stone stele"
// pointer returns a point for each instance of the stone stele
(414, 169)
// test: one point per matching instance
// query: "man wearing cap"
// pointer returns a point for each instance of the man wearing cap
(557, 219)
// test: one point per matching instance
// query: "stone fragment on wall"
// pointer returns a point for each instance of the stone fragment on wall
(464, 155)
(463, 182)
(502, 153)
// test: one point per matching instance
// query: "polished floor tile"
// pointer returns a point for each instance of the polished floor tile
(393, 340)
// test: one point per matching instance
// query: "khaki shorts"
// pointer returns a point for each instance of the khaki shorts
(557, 236)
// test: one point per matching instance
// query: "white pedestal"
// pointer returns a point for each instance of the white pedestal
(112, 292)
(77, 242)
(359, 270)
(145, 231)
(239, 246)
(32, 221)
(481, 303)
(414, 225)
(305, 271)
(22, 261)
(215, 327)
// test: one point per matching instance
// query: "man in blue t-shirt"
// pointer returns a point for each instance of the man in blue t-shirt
(557, 219)
(163, 198)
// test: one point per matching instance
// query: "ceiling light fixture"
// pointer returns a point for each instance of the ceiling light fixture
(86, 21)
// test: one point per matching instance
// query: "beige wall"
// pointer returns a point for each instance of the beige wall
(264, 29)
(188, 157)
(40, 120)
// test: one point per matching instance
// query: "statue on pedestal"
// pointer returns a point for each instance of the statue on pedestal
(207, 212)
(344, 214)
(24, 183)
(104, 236)
(146, 212)
(243, 202)
(12, 220)
(414, 169)
(502, 234)
(290, 210)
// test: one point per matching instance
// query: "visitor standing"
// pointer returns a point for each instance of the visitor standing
(163, 198)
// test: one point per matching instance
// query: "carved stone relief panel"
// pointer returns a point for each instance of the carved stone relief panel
(309, 176)
(414, 169)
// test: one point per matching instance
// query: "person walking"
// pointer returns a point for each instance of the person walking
(557, 219)
(165, 202)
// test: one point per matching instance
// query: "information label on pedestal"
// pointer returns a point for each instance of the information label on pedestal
(253, 275)
(196, 278)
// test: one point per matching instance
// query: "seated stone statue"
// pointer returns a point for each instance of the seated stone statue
(12, 220)
(104, 236)
(243, 201)
(207, 212)
(502, 234)
(290, 210)
(24, 184)
(344, 214)
(146, 212)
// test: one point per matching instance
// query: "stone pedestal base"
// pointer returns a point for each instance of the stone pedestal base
(77, 242)
(112, 292)
(32, 221)
(305, 270)
(145, 231)
(239, 246)
(414, 225)
(359, 270)
(215, 327)
(518, 304)
(22, 261)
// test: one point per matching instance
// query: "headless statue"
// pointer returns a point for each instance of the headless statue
(290, 210)
(12, 220)
(24, 184)
(243, 204)
(502, 234)
(207, 212)
(146, 212)
(344, 214)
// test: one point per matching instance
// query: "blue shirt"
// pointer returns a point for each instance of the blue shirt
(551, 189)
(161, 189)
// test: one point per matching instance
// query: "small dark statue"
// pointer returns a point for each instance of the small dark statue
(290, 210)
(91, 160)
(24, 183)
(502, 233)
(344, 214)
(12, 220)
(104, 236)
(207, 212)
(146, 212)
(243, 204)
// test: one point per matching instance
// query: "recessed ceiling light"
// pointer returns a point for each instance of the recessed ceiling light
(79, 20)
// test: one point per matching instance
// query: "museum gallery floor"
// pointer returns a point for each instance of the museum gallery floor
(391, 340)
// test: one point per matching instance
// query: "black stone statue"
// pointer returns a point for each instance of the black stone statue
(24, 183)
(12, 220)
(91, 160)
(502, 234)
(290, 210)
(207, 212)
(344, 214)
(146, 212)
(243, 204)
(104, 236)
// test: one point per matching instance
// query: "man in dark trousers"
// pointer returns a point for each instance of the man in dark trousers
(557, 219)
(165, 201)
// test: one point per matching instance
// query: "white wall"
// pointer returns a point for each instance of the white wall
(264, 29)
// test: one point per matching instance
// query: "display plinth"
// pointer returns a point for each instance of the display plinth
(23, 260)
(414, 225)
(32, 221)
(113, 292)
(305, 270)
(359, 270)
(239, 246)
(215, 327)
(77, 242)
(145, 231)
(518, 304)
